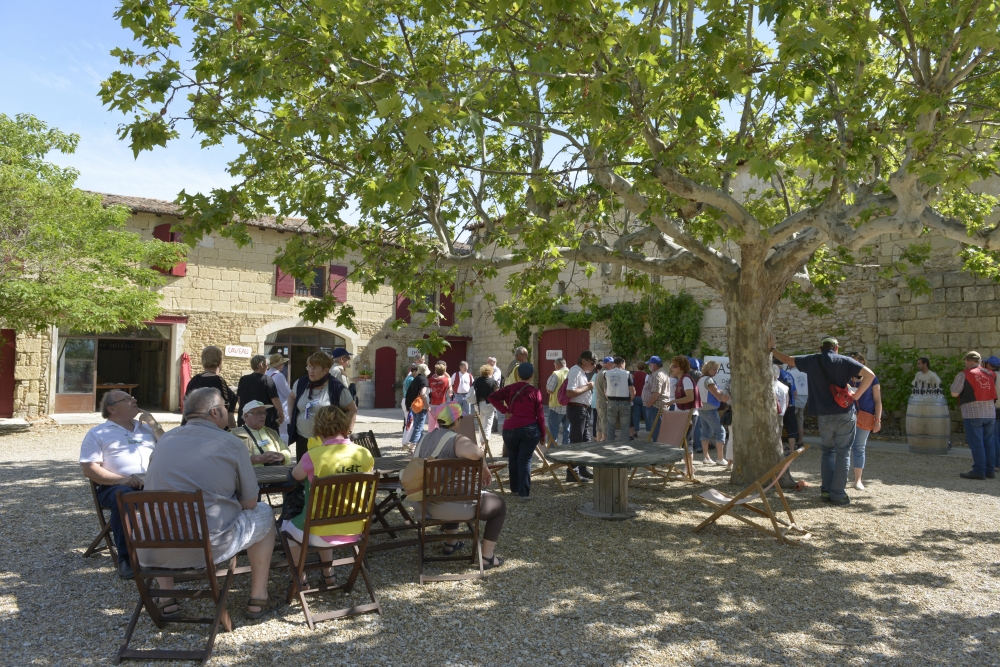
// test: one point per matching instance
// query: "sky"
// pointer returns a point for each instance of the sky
(53, 57)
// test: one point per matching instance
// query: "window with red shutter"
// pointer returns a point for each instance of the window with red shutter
(163, 233)
(402, 308)
(338, 283)
(284, 284)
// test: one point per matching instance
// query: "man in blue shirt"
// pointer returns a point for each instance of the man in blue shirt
(836, 424)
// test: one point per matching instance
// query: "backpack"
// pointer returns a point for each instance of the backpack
(555, 397)
(561, 394)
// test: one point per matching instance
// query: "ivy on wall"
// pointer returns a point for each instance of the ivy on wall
(674, 323)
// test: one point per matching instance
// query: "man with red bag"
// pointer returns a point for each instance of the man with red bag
(832, 402)
(976, 389)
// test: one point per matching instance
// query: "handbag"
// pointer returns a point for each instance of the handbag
(412, 477)
(417, 406)
(842, 396)
(865, 421)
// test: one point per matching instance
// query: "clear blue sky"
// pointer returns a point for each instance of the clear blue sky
(53, 57)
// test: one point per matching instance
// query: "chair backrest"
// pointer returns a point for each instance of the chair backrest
(164, 520)
(341, 499)
(452, 480)
(674, 426)
(467, 427)
(367, 440)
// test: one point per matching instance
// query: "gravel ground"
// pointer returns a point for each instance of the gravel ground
(907, 575)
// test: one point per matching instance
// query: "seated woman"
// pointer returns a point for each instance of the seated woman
(336, 456)
(446, 443)
(265, 446)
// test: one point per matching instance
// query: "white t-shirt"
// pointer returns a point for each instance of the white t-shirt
(496, 375)
(461, 383)
(929, 379)
(338, 372)
(117, 449)
(801, 387)
(281, 384)
(781, 393)
(578, 378)
(703, 383)
(617, 383)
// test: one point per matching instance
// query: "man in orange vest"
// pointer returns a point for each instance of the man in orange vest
(976, 390)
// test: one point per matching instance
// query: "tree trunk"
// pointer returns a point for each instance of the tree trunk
(756, 426)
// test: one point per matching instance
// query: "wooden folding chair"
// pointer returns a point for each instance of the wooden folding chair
(467, 428)
(723, 504)
(453, 481)
(674, 426)
(335, 500)
(368, 441)
(550, 467)
(170, 520)
(105, 534)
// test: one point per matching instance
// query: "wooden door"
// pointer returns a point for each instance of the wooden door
(7, 358)
(452, 356)
(385, 377)
(568, 342)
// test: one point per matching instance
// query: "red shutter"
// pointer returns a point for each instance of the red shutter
(163, 233)
(284, 284)
(338, 283)
(402, 308)
(447, 310)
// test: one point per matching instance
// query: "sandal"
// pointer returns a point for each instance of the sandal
(496, 561)
(166, 603)
(271, 604)
(449, 549)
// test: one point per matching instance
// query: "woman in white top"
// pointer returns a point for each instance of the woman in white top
(711, 424)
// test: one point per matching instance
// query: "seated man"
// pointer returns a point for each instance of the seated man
(202, 455)
(113, 453)
(263, 443)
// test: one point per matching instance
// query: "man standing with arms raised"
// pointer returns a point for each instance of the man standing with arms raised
(828, 372)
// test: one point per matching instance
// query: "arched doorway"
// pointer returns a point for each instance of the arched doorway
(385, 377)
(297, 344)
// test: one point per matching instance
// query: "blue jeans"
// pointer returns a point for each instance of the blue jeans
(463, 400)
(557, 423)
(520, 444)
(996, 446)
(858, 448)
(651, 414)
(837, 435)
(638, 413)
(710, 425)
(979, 436)
(107, 497)
(419, 420)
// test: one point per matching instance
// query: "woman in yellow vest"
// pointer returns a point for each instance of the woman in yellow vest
(336, 456)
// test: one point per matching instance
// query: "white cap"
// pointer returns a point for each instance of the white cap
(255, 404)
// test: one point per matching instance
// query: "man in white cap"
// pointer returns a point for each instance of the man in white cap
(275, 371)
(263, 443)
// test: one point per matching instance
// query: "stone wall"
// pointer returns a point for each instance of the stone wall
(31, 374)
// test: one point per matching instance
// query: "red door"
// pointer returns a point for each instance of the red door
(569, 343)
(451, 356)
(385, 377)
(7, 373)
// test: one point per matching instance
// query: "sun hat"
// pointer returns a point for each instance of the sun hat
(340, 352)
(449, 414)
(654, 360)
(251, 405)
(276, 360)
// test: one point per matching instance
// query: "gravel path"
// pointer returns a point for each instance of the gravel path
(907, 575)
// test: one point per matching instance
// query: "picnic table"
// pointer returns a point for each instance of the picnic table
(611, 462)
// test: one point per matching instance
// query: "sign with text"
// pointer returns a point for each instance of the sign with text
(240, 351)
(552, 355)
(412, 352)
(723, 376)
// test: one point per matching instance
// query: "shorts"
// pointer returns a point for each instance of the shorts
(250, 528)
(711, 426)
(328, 541)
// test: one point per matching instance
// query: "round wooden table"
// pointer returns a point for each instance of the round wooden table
(611, 462)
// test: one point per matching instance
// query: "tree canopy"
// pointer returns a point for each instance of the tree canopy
(66, 258)
(484, 135)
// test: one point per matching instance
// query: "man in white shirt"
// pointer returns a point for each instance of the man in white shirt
(497, 376)
(341, 362)
(925, 377)
(461, 383)
(276, 364)
(620, 391)
(579, 390)
(113, 453)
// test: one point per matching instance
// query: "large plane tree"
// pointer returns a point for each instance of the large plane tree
(480, 136)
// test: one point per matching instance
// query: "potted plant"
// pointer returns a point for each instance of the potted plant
(364, 374)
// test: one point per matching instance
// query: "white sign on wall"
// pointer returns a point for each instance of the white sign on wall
(412, 352)
(552, 355)
(724, 374)
(239, 351)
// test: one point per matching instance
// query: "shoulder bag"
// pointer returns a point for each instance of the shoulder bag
(842, 396)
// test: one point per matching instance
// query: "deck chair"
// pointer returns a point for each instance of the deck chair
(724, 505)
(453, 481)
(171, 520)
(551, 467)
(674, 426)
(467, 427)
(334, 500)
(105, 534)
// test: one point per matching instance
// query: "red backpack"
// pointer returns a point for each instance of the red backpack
(561, 394)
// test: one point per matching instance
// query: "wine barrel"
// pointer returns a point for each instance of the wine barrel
(928, 424)
(366, 394)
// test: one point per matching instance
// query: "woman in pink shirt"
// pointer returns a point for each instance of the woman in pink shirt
(523, 427)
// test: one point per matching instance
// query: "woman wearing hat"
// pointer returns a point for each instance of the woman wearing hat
(311, 392)
(275, 371)
(523, 426)
(446, 443)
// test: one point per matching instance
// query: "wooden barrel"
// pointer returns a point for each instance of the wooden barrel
(366, 394)
(928, 424)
